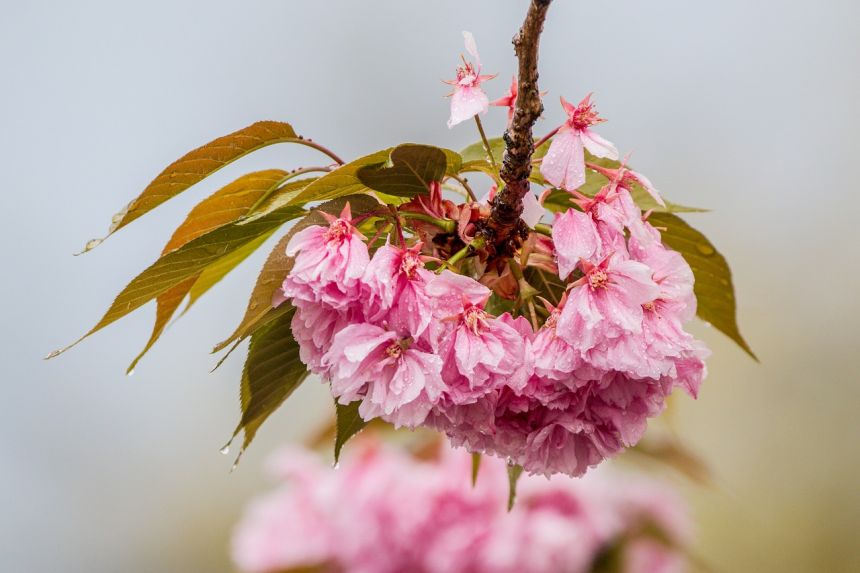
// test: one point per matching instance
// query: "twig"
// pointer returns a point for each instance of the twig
(462, 181)
(487, 146)
(507, 206)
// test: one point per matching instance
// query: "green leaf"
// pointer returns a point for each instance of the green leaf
(167, 303)
(514, 473)
(340, 182)
(548, 285)
(213, 274)
(278, 264)
(225, 206)
(349, 423)
(273, 370)
(477, 152)
(408, 172)
(186, 261)
(714, 289)
(198, 164)
(476, 467)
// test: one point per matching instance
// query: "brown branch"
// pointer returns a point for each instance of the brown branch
(503, 228)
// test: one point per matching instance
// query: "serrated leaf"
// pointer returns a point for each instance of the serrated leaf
(340, 182)
(198, 164)
(278, 264)
(273, 370)
(349, 423)
(408, 172)
(713, 287)
(187, 261)
(514, 473)
(228, 204)
(167, 304)
(212, 275)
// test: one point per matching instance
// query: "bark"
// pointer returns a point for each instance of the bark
(504, 230)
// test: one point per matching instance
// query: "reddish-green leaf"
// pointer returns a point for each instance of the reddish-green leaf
(187, 261)
(198, 164)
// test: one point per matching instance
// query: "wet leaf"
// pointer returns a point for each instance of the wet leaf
(198, 164)
(273, 370)
(514, 473)
(340, 182)
(349, 423)
(225, 206)
(714, 289)
(278, 264)
(477, 152)
(187, 261)
(408, 172)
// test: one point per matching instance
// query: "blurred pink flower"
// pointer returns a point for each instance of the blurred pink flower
(384, 512)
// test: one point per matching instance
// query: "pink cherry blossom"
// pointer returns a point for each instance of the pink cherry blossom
(509, 100)
(392, 375)
(564, 163)
(468, 98)
(574, 236)
(329, 262)
(606, 302)
(480, 352)
(396, 281)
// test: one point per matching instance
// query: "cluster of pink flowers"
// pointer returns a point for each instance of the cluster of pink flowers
(419, 347)
(385, 512)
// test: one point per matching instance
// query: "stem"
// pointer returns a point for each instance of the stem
(507, 206)
(447, 225)
(465, 185)
(318, 147)
(543, 229)
(544, 139)
(291, 175)
(487, 147)
(477, 243)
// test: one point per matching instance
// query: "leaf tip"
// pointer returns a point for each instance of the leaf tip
(91, 244)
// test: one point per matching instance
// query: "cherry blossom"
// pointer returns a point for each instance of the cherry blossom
(468, 98)
(564, 163)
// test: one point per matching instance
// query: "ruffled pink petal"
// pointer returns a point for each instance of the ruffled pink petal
(575, 237)
(564, 163)
(533, 211)
(466, 103)
(598, 146)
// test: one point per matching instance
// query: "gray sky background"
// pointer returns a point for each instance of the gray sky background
(749, 108)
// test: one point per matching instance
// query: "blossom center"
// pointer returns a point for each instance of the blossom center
(584, 116)
(466, 75)
(474, 317)
(598, 279)
(337, 230)
(409, 265)
(649, 306)
(394, 350)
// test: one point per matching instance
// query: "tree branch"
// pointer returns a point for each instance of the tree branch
(503, 225)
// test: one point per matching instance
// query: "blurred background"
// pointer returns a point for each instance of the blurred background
(749, 108)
